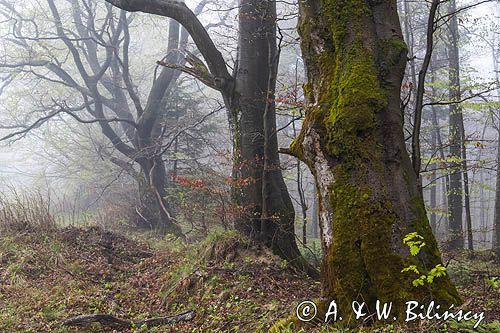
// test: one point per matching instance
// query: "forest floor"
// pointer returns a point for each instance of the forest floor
(47, 276)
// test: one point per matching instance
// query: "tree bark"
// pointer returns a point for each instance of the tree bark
(269, 214)
(496, 213)
(496, 216)
(245, 97)
(352, 140)
(419, 98)
(315, 216)
(149, 143)
(455, 195)
(433, 180)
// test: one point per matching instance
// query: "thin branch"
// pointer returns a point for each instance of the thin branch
(181, 13)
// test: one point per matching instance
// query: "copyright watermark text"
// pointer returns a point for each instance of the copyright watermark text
(307, 311)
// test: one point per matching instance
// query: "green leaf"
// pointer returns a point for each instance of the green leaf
(412, 268)
(418, 282)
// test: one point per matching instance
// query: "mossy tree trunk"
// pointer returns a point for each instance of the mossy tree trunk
(352, 140)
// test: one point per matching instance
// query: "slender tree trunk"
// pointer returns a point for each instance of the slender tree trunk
(176, 150)
(303, 203)
(468, 215)
(352, 140)
(480, 238)
(433, 180)
(455, 197)
(482, 210)
(496, 218)
(445, 181)
(300, 191)
(496, 214)
(303, 206)
(419, 98)
(436, 133)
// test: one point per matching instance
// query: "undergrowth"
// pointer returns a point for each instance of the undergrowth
(50, 273)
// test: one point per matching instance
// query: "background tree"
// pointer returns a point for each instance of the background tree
(456, 125)
(106, 92)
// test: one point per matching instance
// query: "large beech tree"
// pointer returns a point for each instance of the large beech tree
(352, 140)
(269, 214)
(248, 93)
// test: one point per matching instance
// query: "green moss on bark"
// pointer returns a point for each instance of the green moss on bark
(360, 263)
(347, 104)
(354, 97)
(442, 289)
(351, 93)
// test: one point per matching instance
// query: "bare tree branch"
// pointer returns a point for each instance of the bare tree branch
(182, 14)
